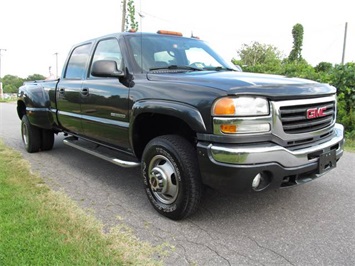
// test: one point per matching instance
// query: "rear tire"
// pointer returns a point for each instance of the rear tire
(171, 176)
(47, 139)
(31, 135)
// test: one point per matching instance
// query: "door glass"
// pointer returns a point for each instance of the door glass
(108, 50)
(77, 62)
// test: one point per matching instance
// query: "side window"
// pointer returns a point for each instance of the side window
(77, 62)
(108, 50)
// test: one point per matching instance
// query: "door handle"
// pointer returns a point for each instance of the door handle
(85, 91)
(61, 90)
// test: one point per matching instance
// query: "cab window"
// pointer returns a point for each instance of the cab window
(108, 50)
(77, 62)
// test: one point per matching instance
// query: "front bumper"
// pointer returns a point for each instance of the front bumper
(232, 168)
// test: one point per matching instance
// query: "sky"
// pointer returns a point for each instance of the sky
(33, 32)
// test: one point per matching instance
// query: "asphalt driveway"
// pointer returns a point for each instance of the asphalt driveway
(313, 224)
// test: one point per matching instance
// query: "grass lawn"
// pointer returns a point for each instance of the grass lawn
(350, 144)
(41, 227)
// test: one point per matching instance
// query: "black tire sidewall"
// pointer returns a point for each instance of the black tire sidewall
(161, 146)
(47, 139)
(33, 135)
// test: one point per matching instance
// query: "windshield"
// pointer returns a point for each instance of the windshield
(153, 52)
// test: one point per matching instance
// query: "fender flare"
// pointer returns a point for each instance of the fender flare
(187, 113)
(37, 105)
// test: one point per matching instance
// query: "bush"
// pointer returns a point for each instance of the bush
(343, 78)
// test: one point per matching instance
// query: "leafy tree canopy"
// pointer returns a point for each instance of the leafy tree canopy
(131, 23)
(35, 77)
(258, 53)
(296, 52)
(258, 57)
(11, 83)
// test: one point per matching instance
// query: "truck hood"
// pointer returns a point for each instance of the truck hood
(272, 86)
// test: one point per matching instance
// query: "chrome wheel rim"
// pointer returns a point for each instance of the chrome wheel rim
(24, 134)
(163, 179)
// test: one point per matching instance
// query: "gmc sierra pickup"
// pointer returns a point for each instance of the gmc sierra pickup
(172, 106)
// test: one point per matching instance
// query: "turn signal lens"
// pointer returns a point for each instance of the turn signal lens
(241, 106)
(229, 129)
(224, 106)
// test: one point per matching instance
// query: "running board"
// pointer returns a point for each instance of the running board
(99, 151)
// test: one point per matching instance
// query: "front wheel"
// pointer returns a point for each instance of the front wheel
(171, 176)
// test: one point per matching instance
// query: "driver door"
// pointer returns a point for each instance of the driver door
(104, 105)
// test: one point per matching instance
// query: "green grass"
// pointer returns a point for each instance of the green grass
(350, 144)
(7, 100)
(10, 99)
(41, 227)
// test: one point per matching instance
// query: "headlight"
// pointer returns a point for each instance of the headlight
(241, 106)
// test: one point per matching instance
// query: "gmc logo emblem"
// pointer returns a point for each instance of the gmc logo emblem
(316, 112)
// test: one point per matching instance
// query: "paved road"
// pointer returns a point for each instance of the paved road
(313, 224)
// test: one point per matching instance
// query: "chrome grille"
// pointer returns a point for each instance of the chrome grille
(307, 118)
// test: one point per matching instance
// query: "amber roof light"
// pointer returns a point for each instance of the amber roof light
(168, 32)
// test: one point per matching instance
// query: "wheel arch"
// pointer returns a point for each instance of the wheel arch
(33, 101)
(151, 119)
(21, 109)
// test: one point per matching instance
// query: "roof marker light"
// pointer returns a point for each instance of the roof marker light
(168, 32)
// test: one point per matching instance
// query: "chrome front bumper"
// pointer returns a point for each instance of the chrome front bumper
(233, 167)
(268, 152)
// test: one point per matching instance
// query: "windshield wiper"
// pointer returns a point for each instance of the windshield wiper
(219, 68)
(176, 67)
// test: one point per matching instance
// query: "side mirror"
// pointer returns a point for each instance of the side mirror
(106, 68)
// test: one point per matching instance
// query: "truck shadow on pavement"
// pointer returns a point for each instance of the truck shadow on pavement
(111, 190)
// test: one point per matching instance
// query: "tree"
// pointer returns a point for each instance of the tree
(300, 69)
(35, 77)
(259, 57)
(11, 83)
(296, 52)
(324, 67)
(131, 23)
(343, 78)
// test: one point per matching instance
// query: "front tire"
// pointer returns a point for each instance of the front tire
(171, 176)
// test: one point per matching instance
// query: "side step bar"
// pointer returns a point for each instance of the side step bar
(99, 151)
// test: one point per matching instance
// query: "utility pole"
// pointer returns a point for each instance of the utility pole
(1, 91)
(344, 45)
(124, 10)
(56, 65)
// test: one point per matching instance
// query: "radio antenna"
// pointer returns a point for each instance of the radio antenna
(140, 21)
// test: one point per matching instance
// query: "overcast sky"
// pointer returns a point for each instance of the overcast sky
(33, 31)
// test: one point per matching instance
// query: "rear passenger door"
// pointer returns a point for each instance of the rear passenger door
(105, 102)
(69, 91)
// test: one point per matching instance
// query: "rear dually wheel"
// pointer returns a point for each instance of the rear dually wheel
(31, 135)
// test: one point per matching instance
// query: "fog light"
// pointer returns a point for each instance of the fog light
(258, 128)
(256, 181)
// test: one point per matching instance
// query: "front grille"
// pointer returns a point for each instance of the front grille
(307, 118)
